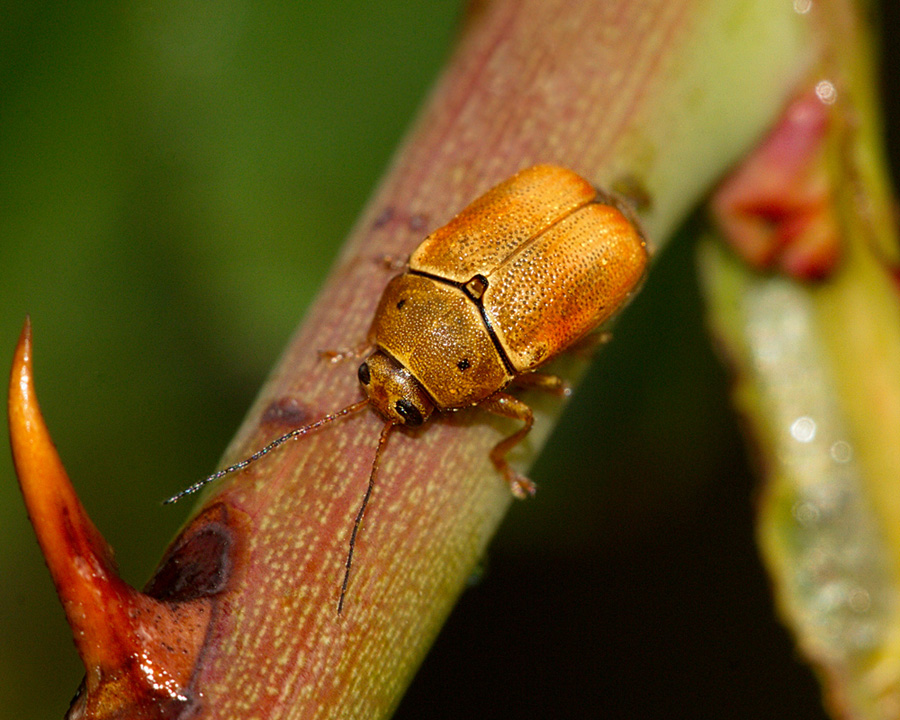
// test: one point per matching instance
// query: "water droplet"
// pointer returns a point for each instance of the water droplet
(806, 513)
(803, 429)
(826, 92)
(859, 600)
(841, 451)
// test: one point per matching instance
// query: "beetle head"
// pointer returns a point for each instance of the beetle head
(393, 391)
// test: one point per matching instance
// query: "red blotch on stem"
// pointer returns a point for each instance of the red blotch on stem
(776, 208)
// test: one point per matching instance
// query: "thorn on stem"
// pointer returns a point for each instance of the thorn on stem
(138, 651)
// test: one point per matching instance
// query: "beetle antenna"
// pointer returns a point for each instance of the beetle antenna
(295, 433)
(382, 441)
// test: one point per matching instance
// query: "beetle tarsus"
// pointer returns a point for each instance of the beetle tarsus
(520, 486)
(511, 407)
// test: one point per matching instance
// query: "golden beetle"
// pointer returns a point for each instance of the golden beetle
(522, 273)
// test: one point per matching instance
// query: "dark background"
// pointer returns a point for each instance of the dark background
(174, 183)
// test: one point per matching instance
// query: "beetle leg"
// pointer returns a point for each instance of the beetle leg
(587, 345)
(393, 263)
(354, 353)
(510, 407)
(543, 381)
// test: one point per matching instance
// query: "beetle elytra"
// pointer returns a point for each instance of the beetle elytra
(516, 278)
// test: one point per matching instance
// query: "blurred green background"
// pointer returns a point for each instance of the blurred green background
(175, 179)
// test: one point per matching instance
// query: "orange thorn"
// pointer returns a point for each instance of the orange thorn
(79, 559)
(138, 652)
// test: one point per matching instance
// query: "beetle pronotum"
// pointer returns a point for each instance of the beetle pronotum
(522, 273)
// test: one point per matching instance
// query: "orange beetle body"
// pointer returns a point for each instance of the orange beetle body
(545, 255)
(522, 273)
(513, 280)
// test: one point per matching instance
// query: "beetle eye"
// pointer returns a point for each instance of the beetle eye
(365, 377)
(409, 412)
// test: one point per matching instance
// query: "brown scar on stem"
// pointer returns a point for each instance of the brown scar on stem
(383, 218)
(390, 216)
(286, 411)
(201, 561)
